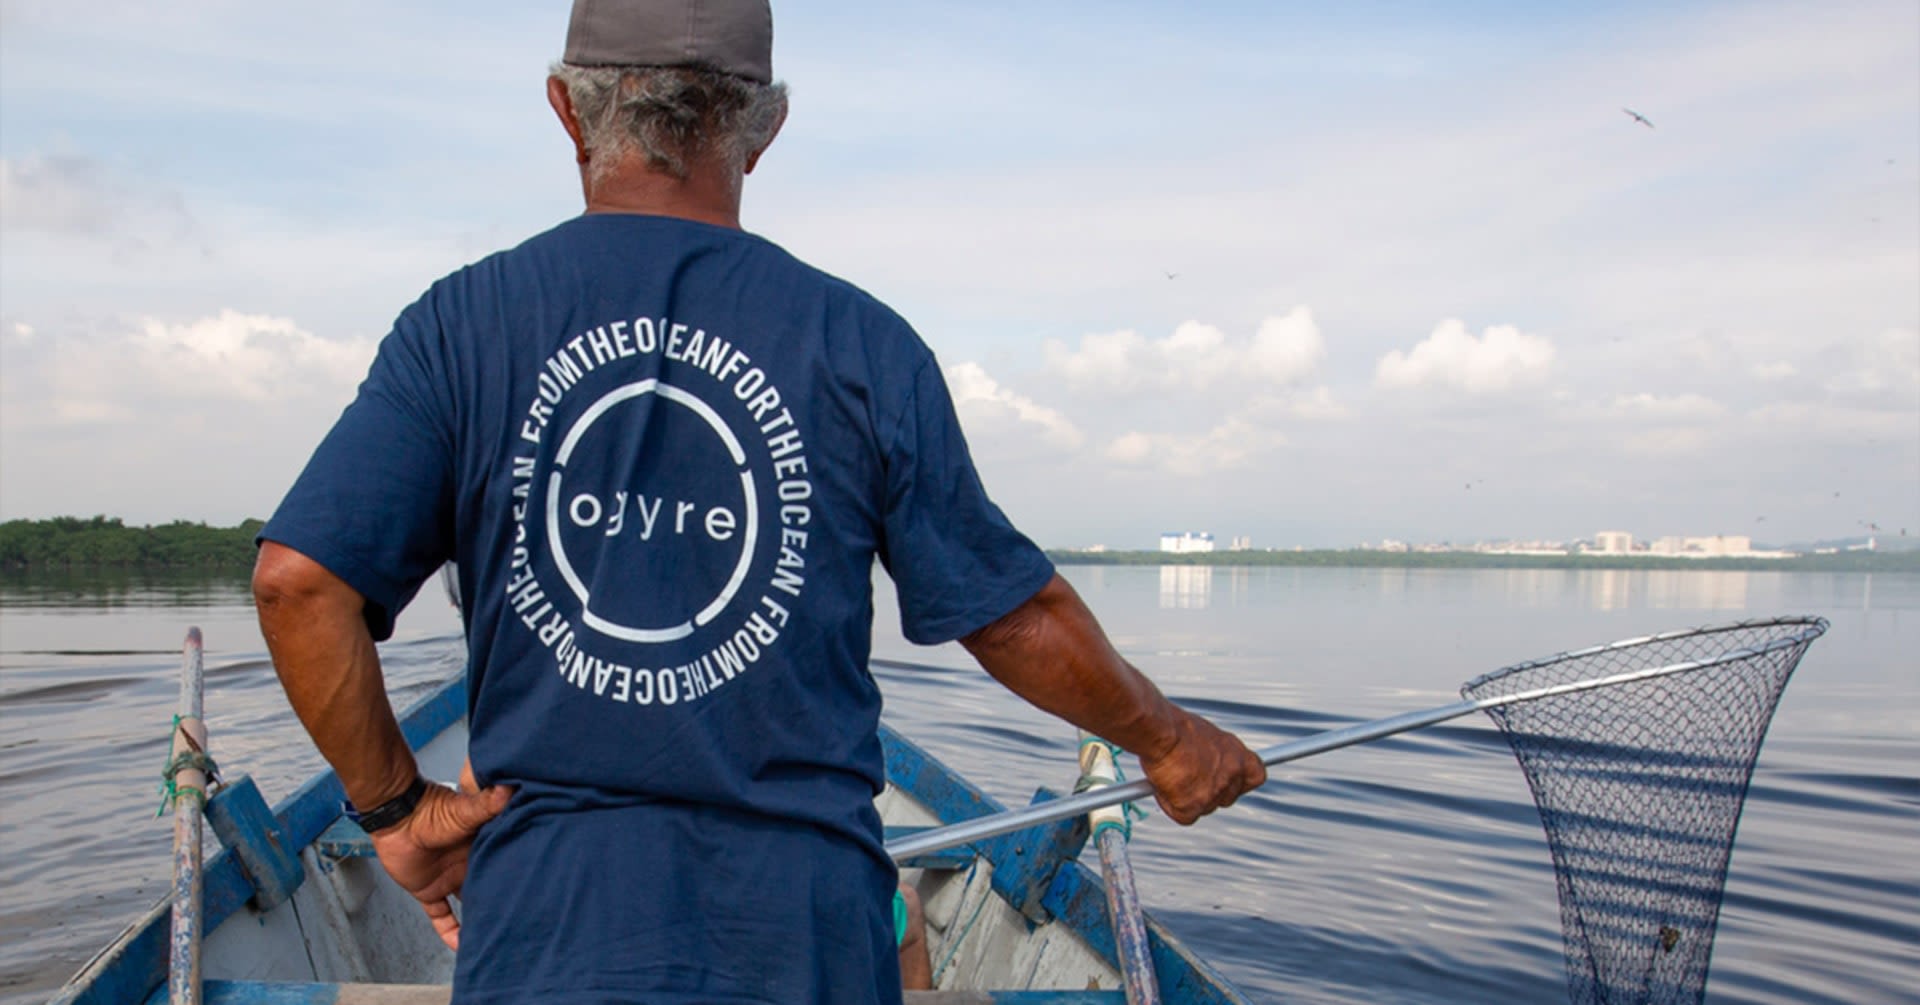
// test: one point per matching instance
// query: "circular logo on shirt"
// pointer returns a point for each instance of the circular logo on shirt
(661, 528)
(675, 506)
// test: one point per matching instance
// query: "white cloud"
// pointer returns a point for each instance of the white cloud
(1671, 408)
(1196, 357)
(1645, 424)
(1130, 448)
(1103, 360)
(1823, 424)
(1317, 404)
(1286, 349)
(1668, 442)
(1776, 370)
(1503, 358)
(1887, 361)
(1231, 444)
(255, 357)
(206, 418)
(120, 374)
(980, 398)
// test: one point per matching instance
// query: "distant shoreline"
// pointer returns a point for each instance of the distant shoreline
(1843, 561)
(64, 546)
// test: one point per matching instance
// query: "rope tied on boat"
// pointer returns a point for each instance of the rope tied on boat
(192, 758)
(1092, 777)
(1640, 793)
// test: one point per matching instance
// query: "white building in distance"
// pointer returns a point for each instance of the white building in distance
(1717, 546)
(1613, 542)
(1186, 541)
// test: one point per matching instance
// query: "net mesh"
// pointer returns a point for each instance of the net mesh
(1640, 786)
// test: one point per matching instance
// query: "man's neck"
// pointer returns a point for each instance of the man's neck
(708, 194)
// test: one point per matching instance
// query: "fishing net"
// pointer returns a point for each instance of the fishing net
(1640, 786)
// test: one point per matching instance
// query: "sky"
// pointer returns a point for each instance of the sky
(1314, 277)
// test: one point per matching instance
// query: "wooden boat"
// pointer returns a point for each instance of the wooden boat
(297, 912)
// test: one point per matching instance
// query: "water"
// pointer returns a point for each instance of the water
(1408, 870)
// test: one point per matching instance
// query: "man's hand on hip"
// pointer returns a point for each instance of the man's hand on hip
(427, 852)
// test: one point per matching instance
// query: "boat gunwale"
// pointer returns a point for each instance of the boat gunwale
(139, 952)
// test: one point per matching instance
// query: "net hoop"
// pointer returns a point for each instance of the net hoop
(1640, 789)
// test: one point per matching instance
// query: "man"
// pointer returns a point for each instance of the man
(664, 455)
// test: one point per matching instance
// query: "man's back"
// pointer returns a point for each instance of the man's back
(668, 454)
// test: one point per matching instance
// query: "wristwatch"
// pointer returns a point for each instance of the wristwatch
(390, 812)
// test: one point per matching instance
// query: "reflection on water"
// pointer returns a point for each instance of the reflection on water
(1666, 589)
(1590, 588)
(1410, 870)
(1594, 589)
(111, 588)
(1186, 587)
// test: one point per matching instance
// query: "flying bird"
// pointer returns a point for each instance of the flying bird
(1172, 275)
(1637, 117)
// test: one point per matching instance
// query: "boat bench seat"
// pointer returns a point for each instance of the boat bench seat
(288, 993)
(344, 839)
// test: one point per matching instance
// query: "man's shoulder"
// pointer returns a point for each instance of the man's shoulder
(578, 242)
(586, 251)
(844, 291)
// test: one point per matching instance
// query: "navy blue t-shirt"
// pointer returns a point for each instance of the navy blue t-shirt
(665, 456)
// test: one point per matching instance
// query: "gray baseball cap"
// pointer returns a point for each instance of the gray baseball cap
(731, 36)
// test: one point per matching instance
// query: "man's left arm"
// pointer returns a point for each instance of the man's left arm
(1051, 651)
(323, 651)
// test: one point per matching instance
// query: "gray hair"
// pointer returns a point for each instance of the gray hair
(670, 114)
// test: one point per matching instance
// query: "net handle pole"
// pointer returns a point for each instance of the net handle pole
(189, 737)
(979, 828)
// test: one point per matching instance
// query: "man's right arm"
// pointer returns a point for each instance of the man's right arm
(1051, 651)
(324, 654)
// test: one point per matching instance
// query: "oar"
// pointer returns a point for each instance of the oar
(979, 828)
(187, 787)
(1109, 825)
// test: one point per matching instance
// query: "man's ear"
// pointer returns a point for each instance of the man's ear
(754, 158)
(562, 103)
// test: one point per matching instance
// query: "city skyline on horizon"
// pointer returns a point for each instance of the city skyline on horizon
(1238, 542)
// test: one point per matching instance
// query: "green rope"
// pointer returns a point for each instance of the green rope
(1129, 811)
(953, 944)
(171, 791)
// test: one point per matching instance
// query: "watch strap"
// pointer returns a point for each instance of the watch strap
(392, 811)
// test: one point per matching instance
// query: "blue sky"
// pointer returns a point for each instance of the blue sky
(1430, 282)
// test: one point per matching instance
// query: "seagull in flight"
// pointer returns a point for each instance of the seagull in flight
(1637, 117)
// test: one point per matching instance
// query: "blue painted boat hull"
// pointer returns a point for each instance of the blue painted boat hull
(298, 913)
